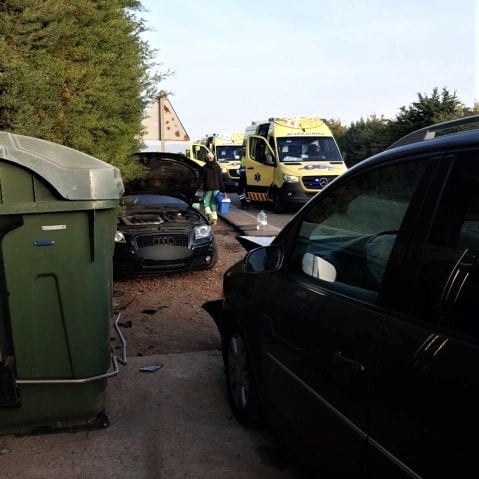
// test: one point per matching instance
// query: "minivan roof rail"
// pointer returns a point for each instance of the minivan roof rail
(429, 132)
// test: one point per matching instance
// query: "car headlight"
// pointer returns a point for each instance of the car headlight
(290, 179)
(119, 237)
(224, 169)
(202, 231)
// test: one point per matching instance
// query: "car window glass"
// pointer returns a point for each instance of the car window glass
(449, 274)
(346, 237)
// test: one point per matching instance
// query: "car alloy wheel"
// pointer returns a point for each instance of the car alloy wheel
(241, 386)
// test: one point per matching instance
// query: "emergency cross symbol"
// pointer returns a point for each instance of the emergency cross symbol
(257, 177)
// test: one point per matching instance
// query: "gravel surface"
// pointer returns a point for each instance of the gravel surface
(164, 314)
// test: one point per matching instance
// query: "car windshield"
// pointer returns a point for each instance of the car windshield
(311, 148)
(159, 201)
(228, 153)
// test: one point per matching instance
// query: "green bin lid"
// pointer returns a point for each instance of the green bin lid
(75, 175)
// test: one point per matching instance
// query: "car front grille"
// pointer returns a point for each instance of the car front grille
(316, 182)
(162, 240)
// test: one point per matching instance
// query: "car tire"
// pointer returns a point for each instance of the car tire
(240, 381)
(278, 206)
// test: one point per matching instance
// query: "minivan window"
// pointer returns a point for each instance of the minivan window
(347, 235)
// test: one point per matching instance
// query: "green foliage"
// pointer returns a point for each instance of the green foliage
(77, 73)
(338, 130)
(427, 110)
(365, 138)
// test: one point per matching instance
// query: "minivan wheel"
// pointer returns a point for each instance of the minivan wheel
(242, 391)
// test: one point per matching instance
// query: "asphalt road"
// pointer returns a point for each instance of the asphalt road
(244, 220)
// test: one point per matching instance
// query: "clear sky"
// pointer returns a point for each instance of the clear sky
(235, 61)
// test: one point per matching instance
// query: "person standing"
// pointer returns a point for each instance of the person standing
(212, 183)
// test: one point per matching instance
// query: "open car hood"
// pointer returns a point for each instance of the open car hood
(171, 174)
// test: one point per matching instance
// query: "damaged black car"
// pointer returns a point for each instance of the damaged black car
(161, 228)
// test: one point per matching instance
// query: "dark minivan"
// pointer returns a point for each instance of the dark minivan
(356, 332)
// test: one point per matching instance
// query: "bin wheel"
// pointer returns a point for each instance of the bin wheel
(103, 420)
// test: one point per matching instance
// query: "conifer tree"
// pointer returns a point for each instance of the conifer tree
(76, 72)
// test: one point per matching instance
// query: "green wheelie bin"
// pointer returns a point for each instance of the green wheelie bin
(58, 210)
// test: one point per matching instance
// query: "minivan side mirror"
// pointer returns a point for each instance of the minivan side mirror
(266, 259)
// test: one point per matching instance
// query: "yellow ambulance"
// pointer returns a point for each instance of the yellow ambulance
(288, 160)
(193, 153)
(227, 150)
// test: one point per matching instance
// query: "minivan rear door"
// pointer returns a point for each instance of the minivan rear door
(425, 377)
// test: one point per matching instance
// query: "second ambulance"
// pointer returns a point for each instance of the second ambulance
(227, 151)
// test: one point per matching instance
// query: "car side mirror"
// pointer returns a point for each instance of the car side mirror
(264, 260)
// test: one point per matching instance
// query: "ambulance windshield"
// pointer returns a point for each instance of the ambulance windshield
(228, 153)
(312, 148)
